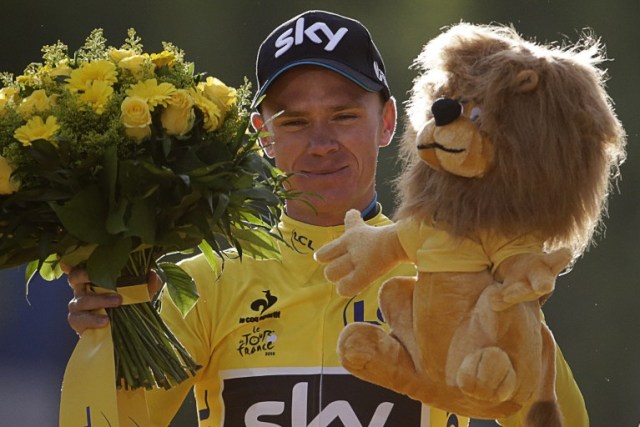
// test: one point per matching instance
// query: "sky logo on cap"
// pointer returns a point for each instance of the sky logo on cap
(286, 40)
(379, 72)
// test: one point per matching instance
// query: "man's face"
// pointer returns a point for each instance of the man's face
(328, 135)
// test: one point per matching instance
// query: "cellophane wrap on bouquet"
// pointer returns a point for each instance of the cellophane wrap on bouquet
(111, 158)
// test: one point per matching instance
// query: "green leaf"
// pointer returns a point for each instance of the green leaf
(29, 274)
(139, 179)
(115, 219)
(182, 288)
(30, 270)
(107, 261)
(45, 154)
(78, 254)
(258, 242)
(110, 172)
(258, 193)
(84, 216)
(220, 208)
(50, 269)
(142, 222)
(210, 255)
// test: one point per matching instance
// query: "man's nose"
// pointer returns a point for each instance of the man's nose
(322, 141)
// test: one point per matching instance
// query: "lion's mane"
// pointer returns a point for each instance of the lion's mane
(557, 148)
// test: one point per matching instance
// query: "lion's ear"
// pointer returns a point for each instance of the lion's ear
(525, 81)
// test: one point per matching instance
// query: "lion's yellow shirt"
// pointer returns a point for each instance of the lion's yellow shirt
(265, 333)
(434, 250)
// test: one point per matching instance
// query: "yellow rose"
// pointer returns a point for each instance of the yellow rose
(118, 55)
(101, 70)
(177, 118)
(210, 111)
(27, 80)
(152, 92)
(49, 73)
(60, 70)
(163, 58)
(8, 184)
(136, 117)
(8, 95)
(137, 65)
(97, 95)
(216, 91)
(37, 102)
(139, 134)
(36, 129)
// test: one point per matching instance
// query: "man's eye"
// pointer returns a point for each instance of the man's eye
(346, 116)
(292, 123)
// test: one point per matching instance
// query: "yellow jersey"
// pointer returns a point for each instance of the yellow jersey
(265, 334)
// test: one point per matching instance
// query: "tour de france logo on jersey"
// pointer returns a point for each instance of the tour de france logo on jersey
(259, 340)
(259, 307)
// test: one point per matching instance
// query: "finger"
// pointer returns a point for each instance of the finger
(543, 282)
(348, 286)
(89, 302)
(66, 268)
(338, 268)
(154, 283)
(518, 292)
(352, 219)
(78, 279)
(330, 251)
(81, 321)
(559, 260)
(498, 303)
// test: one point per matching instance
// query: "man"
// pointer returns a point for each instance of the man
(265, 332)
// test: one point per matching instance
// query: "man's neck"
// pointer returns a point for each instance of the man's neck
(303, 212)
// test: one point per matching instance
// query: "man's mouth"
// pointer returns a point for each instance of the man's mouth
(439, 147)
(322, 171)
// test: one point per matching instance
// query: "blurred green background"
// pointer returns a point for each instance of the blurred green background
(594, 312)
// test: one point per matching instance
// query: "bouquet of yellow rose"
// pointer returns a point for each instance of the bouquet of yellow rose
(111, 158)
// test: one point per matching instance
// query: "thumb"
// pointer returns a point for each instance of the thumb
(558, 260)
(154, 283)
(352, 219)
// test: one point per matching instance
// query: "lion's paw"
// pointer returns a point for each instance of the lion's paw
(487, 374)
(357, 346)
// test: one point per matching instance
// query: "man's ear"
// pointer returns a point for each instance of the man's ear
(389, 121)
(266, 142)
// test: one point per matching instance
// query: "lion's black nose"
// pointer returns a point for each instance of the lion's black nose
(446, 110)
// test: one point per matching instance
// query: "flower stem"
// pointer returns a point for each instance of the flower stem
(147, 354)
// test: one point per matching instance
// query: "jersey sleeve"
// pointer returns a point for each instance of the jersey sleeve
(194, 331)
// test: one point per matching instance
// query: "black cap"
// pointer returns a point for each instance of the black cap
(325, 39)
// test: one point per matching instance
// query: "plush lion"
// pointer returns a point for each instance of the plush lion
(510, 152)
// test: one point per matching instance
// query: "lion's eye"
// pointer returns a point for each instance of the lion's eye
(475, 114)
